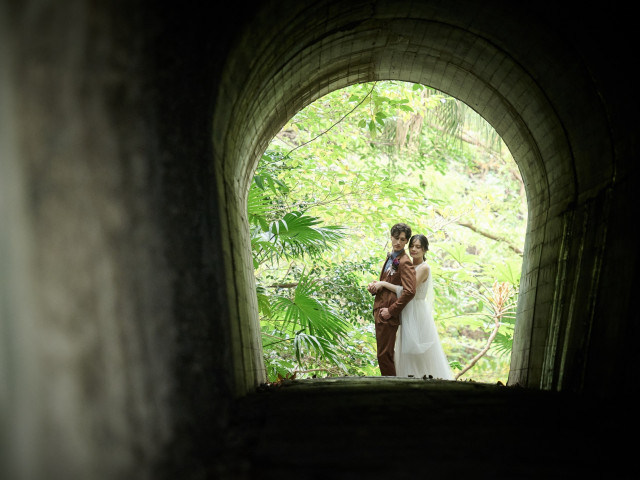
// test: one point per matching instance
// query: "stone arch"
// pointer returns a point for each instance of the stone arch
(509, 72)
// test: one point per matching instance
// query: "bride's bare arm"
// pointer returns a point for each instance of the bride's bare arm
(387, 285)
(422, 274)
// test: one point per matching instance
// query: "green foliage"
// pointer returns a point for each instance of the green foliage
(305, 312)
(324, 197)
(300, 324)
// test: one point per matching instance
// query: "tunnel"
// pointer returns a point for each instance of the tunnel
(129, 336)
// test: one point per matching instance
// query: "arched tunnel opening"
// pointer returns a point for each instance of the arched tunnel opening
(129, 332)
(565, 170)
(354, 162)
(482, 72)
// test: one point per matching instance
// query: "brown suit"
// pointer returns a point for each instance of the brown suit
(386, 330)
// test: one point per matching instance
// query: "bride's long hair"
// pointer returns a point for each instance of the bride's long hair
(424, 243)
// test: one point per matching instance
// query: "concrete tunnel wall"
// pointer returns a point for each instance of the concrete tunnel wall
(541, 99)
(128, 137)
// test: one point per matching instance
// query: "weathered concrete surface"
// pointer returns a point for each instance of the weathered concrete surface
(554, 88)
(128, 319)
(377, 427)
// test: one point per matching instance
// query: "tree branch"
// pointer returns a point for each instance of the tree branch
(339, 121)
(486, 234)
(475, 359)
(501, 294)
(283, 285)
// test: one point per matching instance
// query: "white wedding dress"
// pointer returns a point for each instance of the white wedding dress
(418, 351)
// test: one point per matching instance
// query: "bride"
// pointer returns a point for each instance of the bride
(418, 351)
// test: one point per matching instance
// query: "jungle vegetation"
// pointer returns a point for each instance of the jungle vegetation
(324, 196)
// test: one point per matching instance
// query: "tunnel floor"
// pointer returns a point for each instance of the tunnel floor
(374, 427)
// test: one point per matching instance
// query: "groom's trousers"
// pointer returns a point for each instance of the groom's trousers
(385, 340)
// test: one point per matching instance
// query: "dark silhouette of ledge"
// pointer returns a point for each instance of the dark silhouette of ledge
(374, 427)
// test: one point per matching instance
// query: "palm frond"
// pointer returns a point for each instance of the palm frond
(264, 305)
(322, 347)
(503, 343)
(294, 235)
(258, 206)
(298, 234)
(309, 313)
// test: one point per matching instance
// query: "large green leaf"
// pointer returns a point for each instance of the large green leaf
(297, 234)
(264, 304)
(321, 347)
(309, 313)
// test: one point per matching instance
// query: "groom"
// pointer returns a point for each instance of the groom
(397, 270)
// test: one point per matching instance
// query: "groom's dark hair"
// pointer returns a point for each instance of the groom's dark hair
(398, 228)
